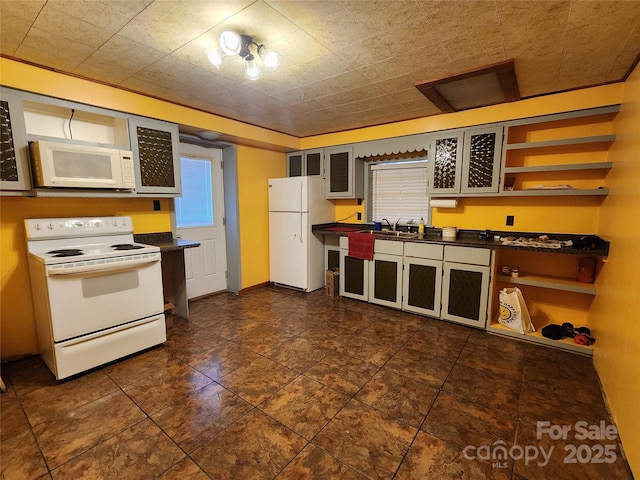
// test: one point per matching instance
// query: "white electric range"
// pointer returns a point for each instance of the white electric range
(97, 294)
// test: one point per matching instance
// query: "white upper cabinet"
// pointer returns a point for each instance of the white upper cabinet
(344, 174)
(465, 161)
(481, 160)
(156, 154)
(303, 163)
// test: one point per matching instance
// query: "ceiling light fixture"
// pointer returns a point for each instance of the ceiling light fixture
(232, 44)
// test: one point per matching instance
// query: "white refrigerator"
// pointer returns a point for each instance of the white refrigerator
(296, 256)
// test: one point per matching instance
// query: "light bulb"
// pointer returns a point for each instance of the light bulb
(270, 58)
(230, 42)
(215, 57)
(251, 69)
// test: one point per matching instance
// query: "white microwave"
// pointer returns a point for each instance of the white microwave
(72, 165)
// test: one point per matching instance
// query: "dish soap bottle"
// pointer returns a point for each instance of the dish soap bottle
(421, 225)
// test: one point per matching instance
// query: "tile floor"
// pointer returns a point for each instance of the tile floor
(303, 386)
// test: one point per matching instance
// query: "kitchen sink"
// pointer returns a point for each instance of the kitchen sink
(390, 233)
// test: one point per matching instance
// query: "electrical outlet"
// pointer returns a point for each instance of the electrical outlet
(510, 220)
(359, 215)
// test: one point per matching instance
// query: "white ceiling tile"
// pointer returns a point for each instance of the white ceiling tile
(73, 29)
(381, 15)
(16, 17)
(56, 50)
(108, 14)
(168, 24)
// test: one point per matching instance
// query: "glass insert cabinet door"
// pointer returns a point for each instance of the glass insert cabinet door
(481, 168)
(14, 168)
(157, 156)
(445, 154)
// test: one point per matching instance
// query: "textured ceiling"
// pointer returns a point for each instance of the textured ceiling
(345, 64)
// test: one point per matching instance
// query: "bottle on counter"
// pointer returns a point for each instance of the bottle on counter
(421, 225)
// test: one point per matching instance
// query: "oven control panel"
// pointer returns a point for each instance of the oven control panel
(44, 228)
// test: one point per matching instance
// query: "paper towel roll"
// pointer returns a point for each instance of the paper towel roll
(444, 203)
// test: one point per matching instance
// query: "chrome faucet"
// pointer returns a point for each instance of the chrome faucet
(385, 220)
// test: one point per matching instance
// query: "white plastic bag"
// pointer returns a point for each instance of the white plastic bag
(513, 311)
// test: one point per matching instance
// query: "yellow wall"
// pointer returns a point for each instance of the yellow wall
(531, 214)
(255, 166)
(347, 210)
(616, 308)
(17, 327)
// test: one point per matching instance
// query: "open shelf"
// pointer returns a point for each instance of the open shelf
(558, 168)
(537, 337)
(604, 141)
(555, 192)
(554, 283)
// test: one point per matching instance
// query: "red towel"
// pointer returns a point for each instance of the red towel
(361, 245)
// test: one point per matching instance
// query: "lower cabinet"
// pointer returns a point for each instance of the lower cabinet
(465, 285)
(385, 274)
(354, 274)
(422, 278)
(447, 282)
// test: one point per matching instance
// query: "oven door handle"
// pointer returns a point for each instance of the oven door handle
(102, 267)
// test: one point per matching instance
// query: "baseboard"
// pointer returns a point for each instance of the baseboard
(245, 291)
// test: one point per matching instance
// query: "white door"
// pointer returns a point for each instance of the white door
(200, 218)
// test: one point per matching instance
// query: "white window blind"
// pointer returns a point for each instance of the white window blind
(399, 191)
(195, 207)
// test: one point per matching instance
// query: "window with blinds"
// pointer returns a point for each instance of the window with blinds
(399, 191)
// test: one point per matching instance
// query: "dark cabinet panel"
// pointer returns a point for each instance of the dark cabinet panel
(294, 164)
(422, 286)
(386, 280)
(339, 168)
(354, 275)
(465, 291)
(314, 163)
(465, 294)
(333, 259)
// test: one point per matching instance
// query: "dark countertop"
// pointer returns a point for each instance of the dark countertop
(582, 244)
(165, 241)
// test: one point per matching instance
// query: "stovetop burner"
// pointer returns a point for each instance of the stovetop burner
(126, 246)
(66, 252)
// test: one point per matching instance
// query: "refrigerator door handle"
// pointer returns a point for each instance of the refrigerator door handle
(301, 204)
